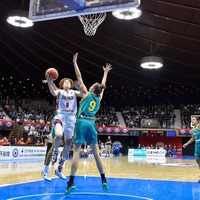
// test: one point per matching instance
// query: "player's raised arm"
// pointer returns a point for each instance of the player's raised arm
(103, 82)
(55, 92)
(81, 86)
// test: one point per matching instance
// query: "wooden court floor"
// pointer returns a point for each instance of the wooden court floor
(115, 167)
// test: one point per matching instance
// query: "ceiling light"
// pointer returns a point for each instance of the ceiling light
(127, 14)
(19, 18)
(151, 62)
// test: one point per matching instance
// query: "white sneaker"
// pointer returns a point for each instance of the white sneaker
(59, 174)
(45, 175)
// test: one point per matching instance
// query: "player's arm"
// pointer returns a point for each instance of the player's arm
(105, 74)
(189, 142)
(78, 93)
(81, 87)
(53, 84)
(54, 92)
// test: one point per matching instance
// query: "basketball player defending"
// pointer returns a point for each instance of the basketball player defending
(196, 138)
(64, 122)
(85, 126)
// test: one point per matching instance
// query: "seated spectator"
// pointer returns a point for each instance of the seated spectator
(152, 147)
(21, 141)
(28, 141)
(38, 143)
(4, 141)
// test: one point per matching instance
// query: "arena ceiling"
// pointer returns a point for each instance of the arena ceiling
(167, 28)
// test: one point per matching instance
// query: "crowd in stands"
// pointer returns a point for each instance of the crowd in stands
(32, 133)
(2, 113)
(164, 113)
(107, 116)
(186, 112)
(32, 114)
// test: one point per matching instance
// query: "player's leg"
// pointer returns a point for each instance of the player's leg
(74, 167)
(65, 152)
(93, 140)
(58, 135)
(78, 140)
(45, 171)
(197, 155)
(198, 161)
(68, 135)
(95, 150)
(49, 144)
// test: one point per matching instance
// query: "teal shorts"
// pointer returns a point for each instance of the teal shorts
(197, 150)
(85, 130)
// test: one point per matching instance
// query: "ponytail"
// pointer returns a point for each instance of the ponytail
(98, 88)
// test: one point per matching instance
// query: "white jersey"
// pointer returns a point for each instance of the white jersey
(67, 102)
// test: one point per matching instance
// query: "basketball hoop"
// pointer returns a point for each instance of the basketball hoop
(91, 22)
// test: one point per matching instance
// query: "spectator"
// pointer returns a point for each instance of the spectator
(38, 143)
(21, 141)
(108, 146)
(28, 141)
(4, 141)
(174, 151)
(170, 150)
(26, 132)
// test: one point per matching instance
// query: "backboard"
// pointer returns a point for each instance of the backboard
(41, 10)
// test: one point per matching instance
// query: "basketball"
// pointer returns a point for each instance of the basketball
(52, 72)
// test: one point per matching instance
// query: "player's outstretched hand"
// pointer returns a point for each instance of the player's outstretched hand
(77, 85)
(107, 68)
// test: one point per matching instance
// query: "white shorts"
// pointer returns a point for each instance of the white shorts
(67, 122)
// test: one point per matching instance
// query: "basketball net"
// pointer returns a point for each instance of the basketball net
(91, 22)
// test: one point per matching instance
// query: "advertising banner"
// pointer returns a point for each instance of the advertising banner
(23, 152)
(113, 130)
(6, 124)
(156, 152)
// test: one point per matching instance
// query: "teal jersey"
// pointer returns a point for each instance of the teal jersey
(89, 106)
(196, 133)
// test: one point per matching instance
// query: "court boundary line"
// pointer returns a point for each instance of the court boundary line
(84, 193)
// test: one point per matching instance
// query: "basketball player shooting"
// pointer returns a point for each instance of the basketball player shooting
(64, 121)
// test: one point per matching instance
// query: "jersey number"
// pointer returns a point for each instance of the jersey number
(92, 106)
(67, 104)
